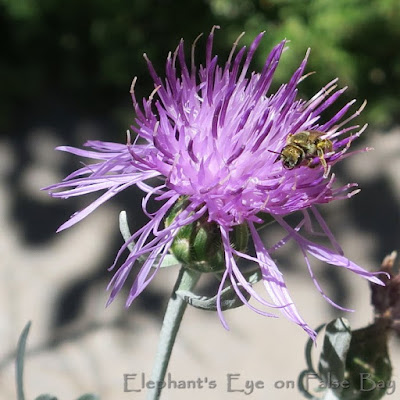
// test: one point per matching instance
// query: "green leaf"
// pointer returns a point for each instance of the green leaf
(169, 259)
(309, 346)
(332, 361)
(20, 361)
(253, 276)
(310, 368)
(46, 397)
(229, 299)
(125, 231)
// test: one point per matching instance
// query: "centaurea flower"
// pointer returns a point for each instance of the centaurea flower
(210, 136)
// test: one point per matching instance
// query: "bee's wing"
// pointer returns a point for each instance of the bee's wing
(314, 135)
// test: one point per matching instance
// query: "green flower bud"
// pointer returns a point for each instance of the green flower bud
(198, 246)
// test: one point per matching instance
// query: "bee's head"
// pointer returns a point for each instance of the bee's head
(291, 156)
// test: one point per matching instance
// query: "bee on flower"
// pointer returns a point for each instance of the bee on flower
(302, 147)
(210, 135)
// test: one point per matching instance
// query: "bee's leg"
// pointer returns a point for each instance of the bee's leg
(327, 167)
(311, 163)
(308, 162)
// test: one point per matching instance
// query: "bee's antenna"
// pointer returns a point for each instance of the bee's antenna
(275, 152)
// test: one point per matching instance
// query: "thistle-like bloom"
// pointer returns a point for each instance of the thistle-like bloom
(211, 135)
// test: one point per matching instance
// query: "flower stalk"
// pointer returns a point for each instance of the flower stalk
(187, 279)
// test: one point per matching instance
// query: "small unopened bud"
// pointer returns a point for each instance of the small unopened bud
(199, 245)
(386, 299)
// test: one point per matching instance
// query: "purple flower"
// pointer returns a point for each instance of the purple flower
(211, 134)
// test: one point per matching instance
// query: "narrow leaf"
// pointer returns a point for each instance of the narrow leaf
(20, 361)
(169, 259)
(305, 375)
(124, 229)
(229, 299)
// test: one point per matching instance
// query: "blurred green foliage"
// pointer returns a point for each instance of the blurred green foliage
(88, 51)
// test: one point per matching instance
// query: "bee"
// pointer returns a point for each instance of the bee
(302, 147)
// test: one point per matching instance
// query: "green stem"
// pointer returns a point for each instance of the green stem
(187, 279)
